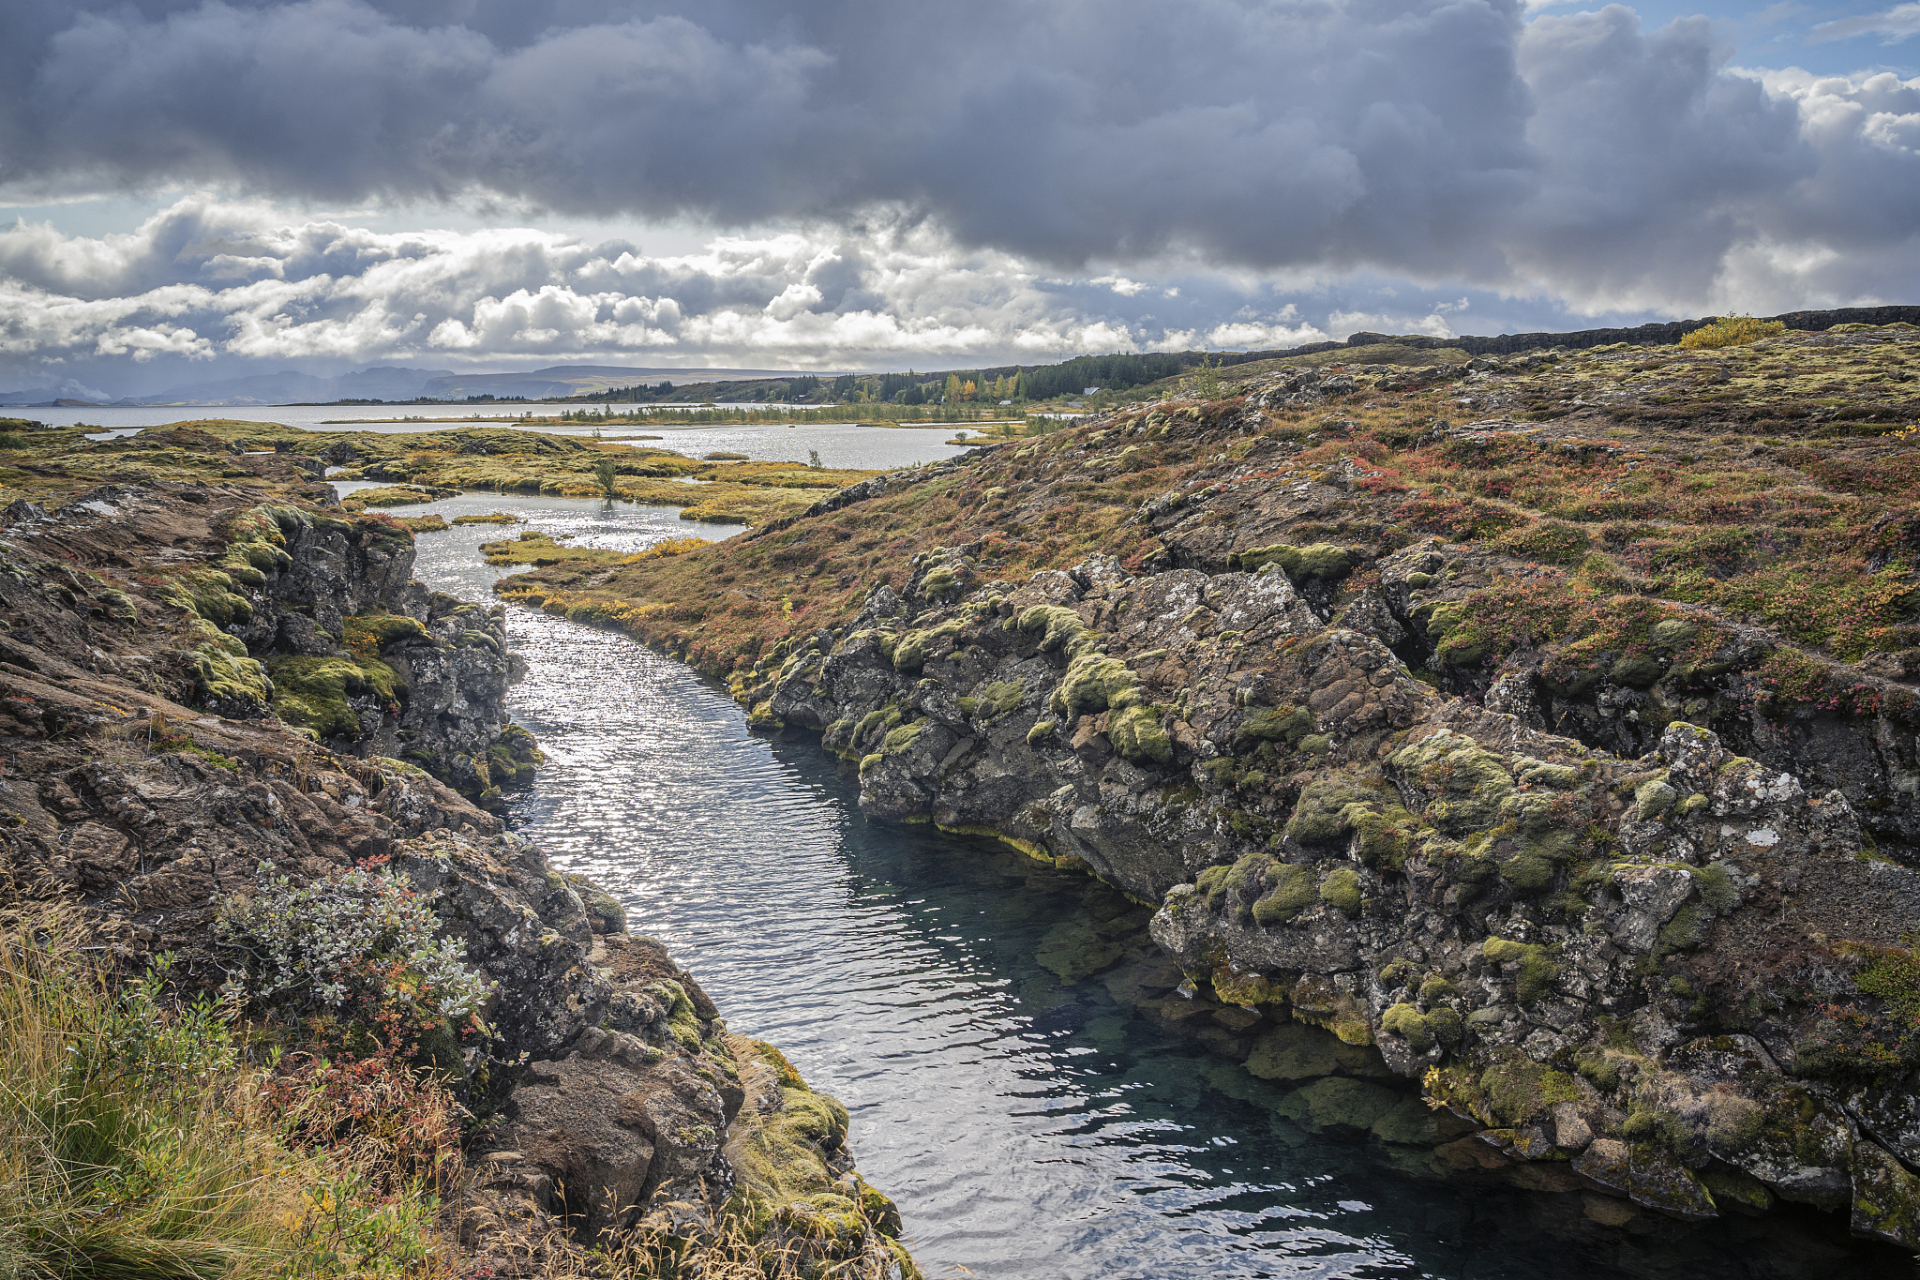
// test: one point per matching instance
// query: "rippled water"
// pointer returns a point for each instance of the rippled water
(1027, 1126)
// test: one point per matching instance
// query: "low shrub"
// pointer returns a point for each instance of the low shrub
(1731, 331)
(352, 961)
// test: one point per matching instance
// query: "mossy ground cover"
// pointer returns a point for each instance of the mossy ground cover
(1662, 506)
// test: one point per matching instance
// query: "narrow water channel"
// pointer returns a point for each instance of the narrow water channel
(1018, 1073)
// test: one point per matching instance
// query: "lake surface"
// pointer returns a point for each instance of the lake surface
(1029, 1125)
(841, 444)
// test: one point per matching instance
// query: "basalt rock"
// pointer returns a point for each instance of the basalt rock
(1630, 963)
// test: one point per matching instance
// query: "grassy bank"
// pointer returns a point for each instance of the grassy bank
(137, 1140)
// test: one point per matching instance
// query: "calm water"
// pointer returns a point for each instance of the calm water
(1029, 1126)
(845, 444)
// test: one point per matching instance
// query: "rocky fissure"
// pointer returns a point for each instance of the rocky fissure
(198, 683)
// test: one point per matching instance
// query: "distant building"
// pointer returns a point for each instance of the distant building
(1006, 402)
(1076, 404)
(1089, 391)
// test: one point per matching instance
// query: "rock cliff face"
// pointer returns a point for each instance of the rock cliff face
(147, 639)
(1669, 971)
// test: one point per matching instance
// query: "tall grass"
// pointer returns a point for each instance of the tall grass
(133, 1145)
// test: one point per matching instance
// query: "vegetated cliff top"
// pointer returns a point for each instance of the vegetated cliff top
(1764, 490)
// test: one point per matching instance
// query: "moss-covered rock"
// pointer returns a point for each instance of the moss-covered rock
(1293, 889)
(1536, 968)
(318, 693)
(1094, 683)
(1136, 734)
(1322, 561)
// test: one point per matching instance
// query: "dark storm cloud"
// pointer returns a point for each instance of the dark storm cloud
(1443, 139)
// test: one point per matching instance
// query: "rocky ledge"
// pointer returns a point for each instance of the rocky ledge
(1678, 979)
(199, 681)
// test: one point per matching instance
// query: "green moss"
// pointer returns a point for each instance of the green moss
(1292, 889)
(1518, 1089)
(1535, 860)
(1538, 969)
(1341, 889)
(393, 495)
(184, 744)
(116, 606)
(1322, 560)
(1689, 928)
(1407, 1022)
(1658, 1128)
(900, 739)
(1285, 723)
(313, 693)
(1093, 683)
(682, 1022)
(1385, 837)
(1635, 670)
(365, 635)
(1136, 734)
(1041, 731)
(1894, 976)
(1446, 1026)
(1061, 629)
(1674, 633)
(996, 699)
(910, 650)
(1653, 798)
(1436, 987)
(1599, 1068)
(210, 593)
(1470, 782)
(1327, 811)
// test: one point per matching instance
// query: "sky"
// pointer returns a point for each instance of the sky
(193, 190)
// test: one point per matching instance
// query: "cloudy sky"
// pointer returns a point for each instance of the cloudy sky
(193, 189)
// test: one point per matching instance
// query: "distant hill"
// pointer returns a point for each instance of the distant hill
(380, 383)
(67, 390)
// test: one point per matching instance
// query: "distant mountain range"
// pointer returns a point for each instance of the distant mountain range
(388, 383)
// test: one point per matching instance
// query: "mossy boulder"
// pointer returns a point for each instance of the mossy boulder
(1136, 734)
(1341, 890)
(1518, 1089)
(1319, 561)
(1470, 784)
(1286, 723)
(1293, 888)
(1094, 683)
(1536, 968)
(1060, 629)
(1327, 811)
(317, 693)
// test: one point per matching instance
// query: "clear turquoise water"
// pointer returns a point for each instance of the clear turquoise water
(1027, 1127)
